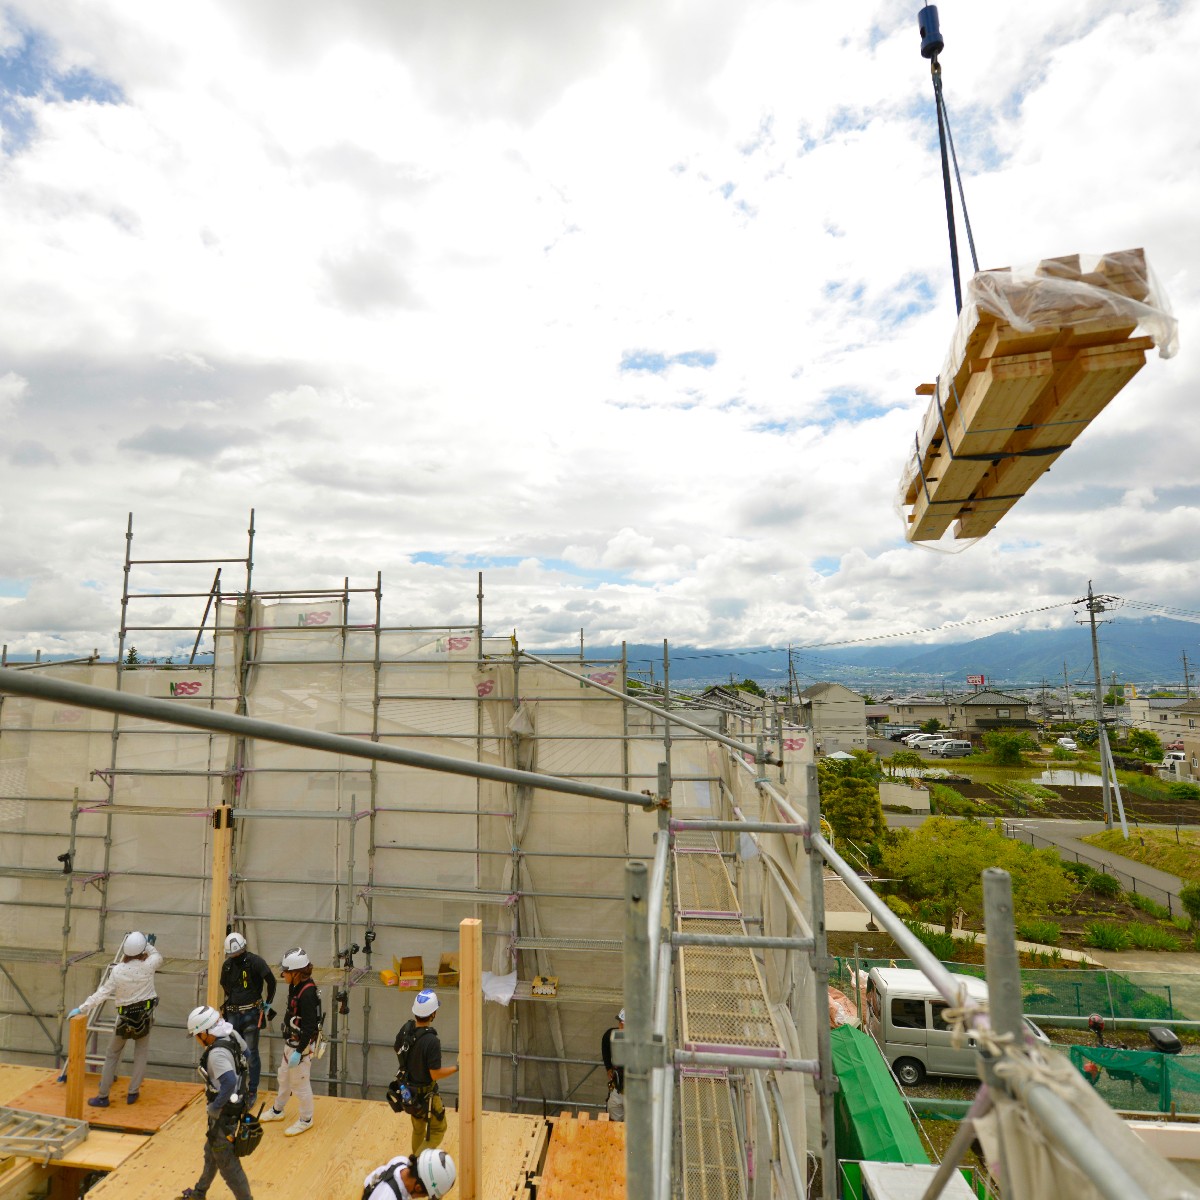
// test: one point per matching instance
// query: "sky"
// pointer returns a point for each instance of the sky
(623, 305)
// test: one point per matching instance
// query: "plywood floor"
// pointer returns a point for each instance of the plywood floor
(14, 1080)
(585, 1160)
(349, 1138)
(158, 1101)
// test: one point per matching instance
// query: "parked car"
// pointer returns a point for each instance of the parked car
(951, 748)
(1174, 756)
(920, 740)
(1067, 743)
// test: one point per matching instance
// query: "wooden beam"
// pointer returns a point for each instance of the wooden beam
(76, 1065)
(470, 1058)
(218, 913)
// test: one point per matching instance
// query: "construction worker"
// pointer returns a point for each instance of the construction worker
(130, 985)
(430, 1173)
(301, 1030)
(616, 1075)
(226, 1074)
(244, 976)
(419, 1055)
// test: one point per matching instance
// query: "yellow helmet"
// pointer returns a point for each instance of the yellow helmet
(389, 978)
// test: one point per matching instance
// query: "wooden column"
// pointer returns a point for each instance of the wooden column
(470, 1059)
(76, 1065)
(218, 916)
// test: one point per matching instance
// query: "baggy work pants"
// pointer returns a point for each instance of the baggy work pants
(141, 1056)
(429, 1128)
(246, 1023)
(295, 1079)
(219, 1156)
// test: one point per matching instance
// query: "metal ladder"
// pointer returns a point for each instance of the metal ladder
(36, 1135)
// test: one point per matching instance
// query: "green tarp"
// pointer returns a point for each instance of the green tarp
(872, 1121)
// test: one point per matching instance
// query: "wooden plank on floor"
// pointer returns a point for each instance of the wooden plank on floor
(158, 1101)
(585, 1160)
(348, 1140)
(16, 1080)
(103, 1150)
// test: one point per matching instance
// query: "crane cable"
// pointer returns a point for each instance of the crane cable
(932, 45)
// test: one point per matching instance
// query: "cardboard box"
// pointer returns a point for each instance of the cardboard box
(411, 970)
(447, 975)
(544, 985)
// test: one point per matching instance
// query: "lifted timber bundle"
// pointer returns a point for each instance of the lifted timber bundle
(1036, 355)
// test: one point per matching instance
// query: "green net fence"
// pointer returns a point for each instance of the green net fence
(1139, 1080)
(1148, 996)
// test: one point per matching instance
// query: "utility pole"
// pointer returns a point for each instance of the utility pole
(1098, 604)
(1068, 698)
(1187, 677)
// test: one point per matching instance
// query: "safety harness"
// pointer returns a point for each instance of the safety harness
(134, 1021)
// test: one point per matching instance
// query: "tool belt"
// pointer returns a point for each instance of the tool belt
(243, 1008)
(134, 1021)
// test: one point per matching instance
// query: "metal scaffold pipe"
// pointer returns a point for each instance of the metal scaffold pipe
(85, 696)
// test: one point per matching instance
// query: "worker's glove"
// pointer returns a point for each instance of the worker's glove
(268, 1014)
(75, 1012)
(152, 938)
(294, 1058)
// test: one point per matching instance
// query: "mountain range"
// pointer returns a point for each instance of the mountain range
(1146, 652)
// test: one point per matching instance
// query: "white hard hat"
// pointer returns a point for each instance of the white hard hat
(202, 1019)
(435, 1169)
(134, 944)
(621, 1016)
(425, 1005)
(296, 959)
(235, 943)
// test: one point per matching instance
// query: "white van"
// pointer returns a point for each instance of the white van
(904, 1016)
(951, 749)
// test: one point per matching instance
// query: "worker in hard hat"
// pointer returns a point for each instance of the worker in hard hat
(430, 1173)
(419, 1055)
(129, 983)
(244, 979)
(616, 1075)
(301, 1029)
(225, 1069)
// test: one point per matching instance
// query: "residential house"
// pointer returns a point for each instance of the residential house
(916, 710)
(836, 715)
(978, 712)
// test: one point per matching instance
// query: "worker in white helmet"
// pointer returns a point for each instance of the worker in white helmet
(616, 1075)
(430, 1173)
(129, 983)
(419, 1061)
(301, 1029)
(244, 979)
(226, 1076)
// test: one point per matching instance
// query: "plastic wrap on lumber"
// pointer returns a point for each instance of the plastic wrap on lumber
(1048, 314)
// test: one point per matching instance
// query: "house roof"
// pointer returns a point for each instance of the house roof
(819, 689)
(990, 698)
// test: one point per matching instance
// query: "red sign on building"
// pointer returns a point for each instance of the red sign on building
(976, 680)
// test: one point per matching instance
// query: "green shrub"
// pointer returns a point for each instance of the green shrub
(1044, 932)
(1150, 937)
(1149, 906)
(900, 907)
(939, 944)
(1183, 791)
(1105, 885)
(1189, 897)
(1080, 872)
(897, 808)
(1147, 1007)
(1105, 936)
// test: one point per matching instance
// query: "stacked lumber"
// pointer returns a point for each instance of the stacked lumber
(1036, 357)
(585, 1160)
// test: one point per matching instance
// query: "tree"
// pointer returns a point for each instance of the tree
(1145, 743)
(943, 860)
(904, 758)
(851, 805)
(869, 699)
(931, 726)
(1113, 698)
(748, 685)
(1189, 897)
(131, 658)
(1005, 746)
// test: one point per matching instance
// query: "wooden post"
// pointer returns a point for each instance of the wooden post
(470, 1059)
(222, 859)
(76, 1065)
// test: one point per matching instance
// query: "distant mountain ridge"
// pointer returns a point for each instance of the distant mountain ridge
(1143, 652)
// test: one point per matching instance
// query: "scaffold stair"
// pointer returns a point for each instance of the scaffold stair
(36, 1135)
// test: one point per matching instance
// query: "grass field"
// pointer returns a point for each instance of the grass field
(1176, 851)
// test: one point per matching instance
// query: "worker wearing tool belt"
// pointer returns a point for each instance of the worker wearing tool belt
(422, 1066)
(244, 977)
(616, 1075)
(130, 985)
(224, 1067)
(301, 1029)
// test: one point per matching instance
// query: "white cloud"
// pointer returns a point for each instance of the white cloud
(372, 270)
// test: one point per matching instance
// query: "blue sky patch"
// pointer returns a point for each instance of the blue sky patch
(589, 576)
(13, 588)
(826, 566)
(658, 363)
(28, 71)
